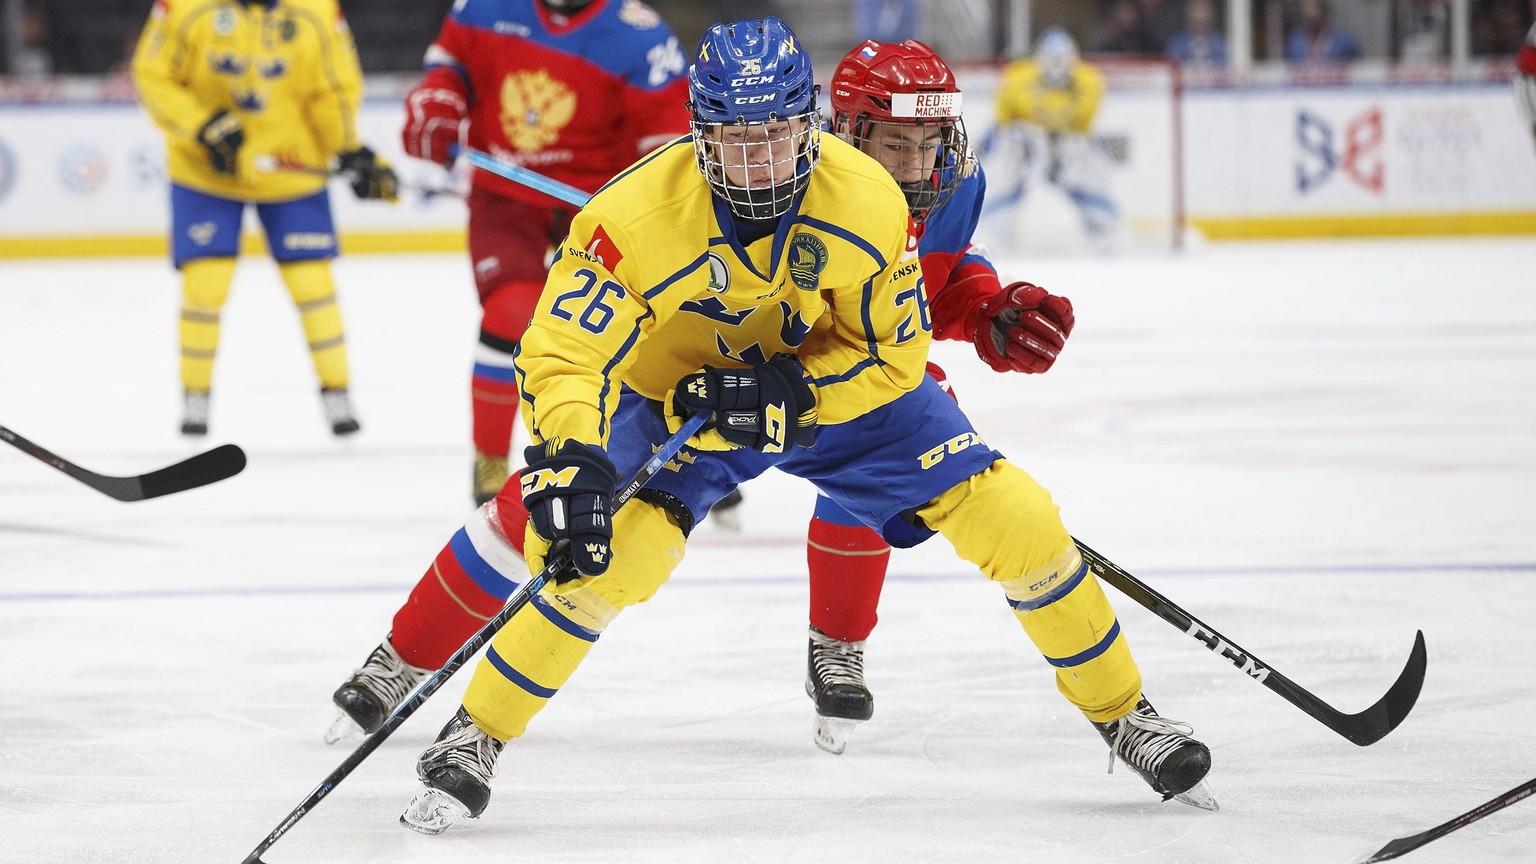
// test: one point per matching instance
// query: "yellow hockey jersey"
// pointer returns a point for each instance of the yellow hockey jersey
(648, 288)
(1025, 96)
(289, 71)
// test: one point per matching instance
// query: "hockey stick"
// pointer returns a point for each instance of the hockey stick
(520, 598)
(1364, 728)
(518, 174)
(1404, 845)
(214, 465)
(268, 164)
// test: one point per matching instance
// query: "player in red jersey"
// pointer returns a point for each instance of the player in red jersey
(900, 104)
(574, 89)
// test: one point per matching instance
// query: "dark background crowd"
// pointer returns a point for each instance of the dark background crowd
(94, 37)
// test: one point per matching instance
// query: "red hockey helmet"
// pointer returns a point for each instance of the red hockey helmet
(887, 99)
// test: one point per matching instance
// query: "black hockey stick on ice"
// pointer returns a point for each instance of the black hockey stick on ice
(211, 466)
(559, 560)
(1404, 845)
(1364, 728)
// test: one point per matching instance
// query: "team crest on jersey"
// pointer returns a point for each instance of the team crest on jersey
(638, 15)
(719, 274)
(227, 64)
(224, 21)
(807, 258)
(534, 108)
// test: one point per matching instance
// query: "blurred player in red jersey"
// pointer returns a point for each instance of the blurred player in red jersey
(574, 89)
(1525, 81)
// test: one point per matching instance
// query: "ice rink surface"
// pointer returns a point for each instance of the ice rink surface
(1317, 448)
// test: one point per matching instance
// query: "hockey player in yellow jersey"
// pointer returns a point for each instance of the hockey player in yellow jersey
(1046, 105)
(245, 92)
(765, 273)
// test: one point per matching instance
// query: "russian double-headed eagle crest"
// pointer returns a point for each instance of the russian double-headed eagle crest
(534, 108)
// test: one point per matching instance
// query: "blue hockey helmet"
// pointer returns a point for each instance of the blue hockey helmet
(756, 130)
(750, 72)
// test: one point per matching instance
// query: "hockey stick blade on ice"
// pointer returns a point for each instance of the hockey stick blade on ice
(558, 560)
(1404, 845)
(1364, 728)
(211, 466)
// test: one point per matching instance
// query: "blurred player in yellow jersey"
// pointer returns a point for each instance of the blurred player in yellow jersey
(1046, 104)
(256, 98)
(768, 274)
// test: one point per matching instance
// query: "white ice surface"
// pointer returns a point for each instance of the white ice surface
(1318, 449)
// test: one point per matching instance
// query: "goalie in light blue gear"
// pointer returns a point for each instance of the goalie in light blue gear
(766, 273)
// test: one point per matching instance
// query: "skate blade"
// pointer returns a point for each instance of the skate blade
(342, 728)
(1199, 795)
(433, 811)
(832, 733)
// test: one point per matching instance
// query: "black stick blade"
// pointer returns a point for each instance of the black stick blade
(1373, 724)
(220, 463)
(1364, 728)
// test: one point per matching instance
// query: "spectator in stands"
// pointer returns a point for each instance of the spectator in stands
(1423, 30)
(888, 20)
(1126, 31)
(1316, 40)
(33, 59)
(1499, 27)
(1162, 18)
(118, 85)
(1199, 43)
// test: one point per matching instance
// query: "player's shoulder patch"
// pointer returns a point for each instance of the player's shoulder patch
(604, 249)
(638, 15)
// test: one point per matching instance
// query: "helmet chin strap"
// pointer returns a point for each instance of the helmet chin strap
(762, 203)
(921, 196)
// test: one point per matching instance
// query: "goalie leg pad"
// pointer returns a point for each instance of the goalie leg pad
(1005, 523)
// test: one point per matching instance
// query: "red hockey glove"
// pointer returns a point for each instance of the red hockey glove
(1021, 328)
(433, 116)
